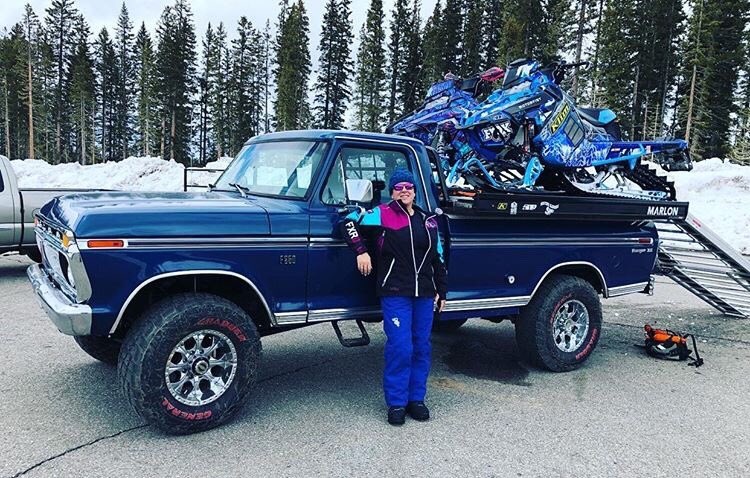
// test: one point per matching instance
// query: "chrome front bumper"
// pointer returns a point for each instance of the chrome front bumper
(69, 317)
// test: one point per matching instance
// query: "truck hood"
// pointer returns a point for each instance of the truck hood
(158, 214)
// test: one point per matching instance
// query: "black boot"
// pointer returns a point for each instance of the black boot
(418, 411)
(396, 415)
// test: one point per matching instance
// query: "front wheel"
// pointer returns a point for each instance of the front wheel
(560, 327)
(189, 362)
(103, 349)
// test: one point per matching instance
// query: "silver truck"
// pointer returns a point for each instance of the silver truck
(17, 208)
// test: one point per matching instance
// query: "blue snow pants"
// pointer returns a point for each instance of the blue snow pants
(407, 322)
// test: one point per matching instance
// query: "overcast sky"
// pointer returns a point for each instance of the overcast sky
(104, 13)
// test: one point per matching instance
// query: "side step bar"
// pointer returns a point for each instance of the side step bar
(360, 341)
(698, 259)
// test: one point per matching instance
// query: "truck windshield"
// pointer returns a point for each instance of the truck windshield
(283, 168)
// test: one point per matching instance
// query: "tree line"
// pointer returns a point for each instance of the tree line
(666, 67)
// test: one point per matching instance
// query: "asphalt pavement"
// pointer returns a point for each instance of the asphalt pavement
(318, 411)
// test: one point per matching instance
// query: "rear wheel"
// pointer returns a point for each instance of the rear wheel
(190, 362)
(560, 327)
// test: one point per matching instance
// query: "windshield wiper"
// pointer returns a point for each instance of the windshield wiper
(243, 190)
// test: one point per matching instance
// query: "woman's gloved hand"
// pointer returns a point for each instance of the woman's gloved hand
(364, 264)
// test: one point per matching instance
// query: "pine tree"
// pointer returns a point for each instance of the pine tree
(145, 76)
(452, 29)
(491, 31)
(60, 18)
(81, 93)
(524, 31)
(335, 65)
(31, 27)
(12, 80)
(107, 75)
(124, 85)
(396, 55)
(616, 79)
(242, 100)
(206, 147)
(714, 55)
(44, 118)
(293, 69)
(471, 62)
(433, 41)
(176, 72)
(412, 76)
(218, 90)
(265, 59)
(370, 79)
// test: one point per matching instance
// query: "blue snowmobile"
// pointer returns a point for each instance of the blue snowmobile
(530, 135)
(447, 103)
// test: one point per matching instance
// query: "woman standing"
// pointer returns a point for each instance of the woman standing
(411, 276)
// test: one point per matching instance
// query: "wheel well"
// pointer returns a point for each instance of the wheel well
(587, 272)
(229, 287)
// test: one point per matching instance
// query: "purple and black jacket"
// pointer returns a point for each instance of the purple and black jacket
(400, 270)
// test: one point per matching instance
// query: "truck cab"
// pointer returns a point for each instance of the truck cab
(194, 280)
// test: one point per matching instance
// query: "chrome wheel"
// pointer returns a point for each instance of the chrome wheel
(570, 325)
(201, 367)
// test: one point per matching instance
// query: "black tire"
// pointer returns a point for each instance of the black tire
(447, 326)
(33, 254)
(103, 349)
(535, 329)
(152, 342)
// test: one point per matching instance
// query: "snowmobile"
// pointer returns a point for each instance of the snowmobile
(529, 134)
(447, 102)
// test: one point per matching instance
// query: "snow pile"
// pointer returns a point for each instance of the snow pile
(131, 174)
(718, 191)
(719, 195)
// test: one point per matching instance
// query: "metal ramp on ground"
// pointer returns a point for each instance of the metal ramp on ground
(695, 257)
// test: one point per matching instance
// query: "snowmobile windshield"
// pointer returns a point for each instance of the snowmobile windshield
(279, 168)
(440, 88)
(518, 72)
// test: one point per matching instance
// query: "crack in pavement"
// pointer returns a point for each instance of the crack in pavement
(69, 450)
(290, 372)
(144, 425)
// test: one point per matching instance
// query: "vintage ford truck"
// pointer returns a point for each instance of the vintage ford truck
(179, 288)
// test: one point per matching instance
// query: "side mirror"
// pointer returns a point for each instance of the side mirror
(359, 190)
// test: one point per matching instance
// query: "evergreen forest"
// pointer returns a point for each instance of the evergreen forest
(668, 68)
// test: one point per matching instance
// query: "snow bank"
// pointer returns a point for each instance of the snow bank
(718, 191)
(719, 195)
(131, 174)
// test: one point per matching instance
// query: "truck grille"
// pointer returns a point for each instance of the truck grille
(55, 261)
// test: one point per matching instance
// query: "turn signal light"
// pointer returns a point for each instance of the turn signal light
(102, 243)
(65, 240)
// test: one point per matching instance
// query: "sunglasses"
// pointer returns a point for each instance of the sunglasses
(403, 186)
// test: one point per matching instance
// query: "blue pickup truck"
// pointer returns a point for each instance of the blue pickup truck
(177, 288)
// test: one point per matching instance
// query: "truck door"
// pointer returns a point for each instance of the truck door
(336, 289)
(8, 205)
